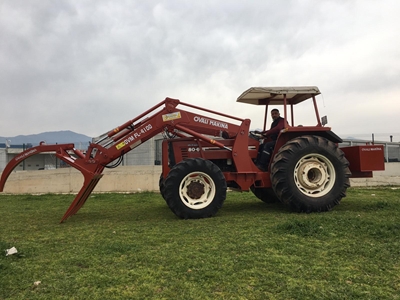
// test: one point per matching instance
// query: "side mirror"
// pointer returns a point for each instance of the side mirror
(324, 120)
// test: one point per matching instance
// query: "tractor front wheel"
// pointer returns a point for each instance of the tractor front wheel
(310, 174)
(195, 188)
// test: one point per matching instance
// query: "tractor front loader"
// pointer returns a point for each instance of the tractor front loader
(203, 155)
(193, 128)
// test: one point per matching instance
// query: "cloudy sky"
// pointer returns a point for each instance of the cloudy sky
(89, 66)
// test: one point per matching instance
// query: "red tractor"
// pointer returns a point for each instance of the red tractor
(205, 152)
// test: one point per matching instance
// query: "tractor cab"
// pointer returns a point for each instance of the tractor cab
(289, 97)
(362, 159)
(286, 96)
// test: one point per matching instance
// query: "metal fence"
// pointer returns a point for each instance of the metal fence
(150, 153)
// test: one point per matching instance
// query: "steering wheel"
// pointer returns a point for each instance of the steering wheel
(254, 134)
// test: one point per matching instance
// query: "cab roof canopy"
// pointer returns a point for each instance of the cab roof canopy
(275, 95)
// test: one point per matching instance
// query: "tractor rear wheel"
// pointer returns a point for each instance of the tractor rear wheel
(310, 174)
(195, 188)
(266, 195)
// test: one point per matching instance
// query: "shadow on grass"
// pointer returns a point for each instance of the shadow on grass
(304, 228)
(123, 212)
(151, 207)
(254, 207)
(157, 210)
(372, 205)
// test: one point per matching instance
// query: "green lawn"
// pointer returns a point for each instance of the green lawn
(131, 246)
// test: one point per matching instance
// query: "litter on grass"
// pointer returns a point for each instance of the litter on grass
(11, 251)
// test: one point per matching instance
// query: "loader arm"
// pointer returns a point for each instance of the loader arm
(165, 116)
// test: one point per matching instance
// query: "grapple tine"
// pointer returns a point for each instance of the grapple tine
(80, 199)
(88, 191)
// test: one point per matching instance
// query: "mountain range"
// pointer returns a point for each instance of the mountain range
(51, 137)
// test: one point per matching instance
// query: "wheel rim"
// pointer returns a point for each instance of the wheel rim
(314, 175)
(197, 190)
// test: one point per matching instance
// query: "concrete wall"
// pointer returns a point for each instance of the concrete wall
(69, 180)
(135, 179)
(391, 176)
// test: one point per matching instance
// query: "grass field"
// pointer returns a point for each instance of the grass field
(131, 246)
